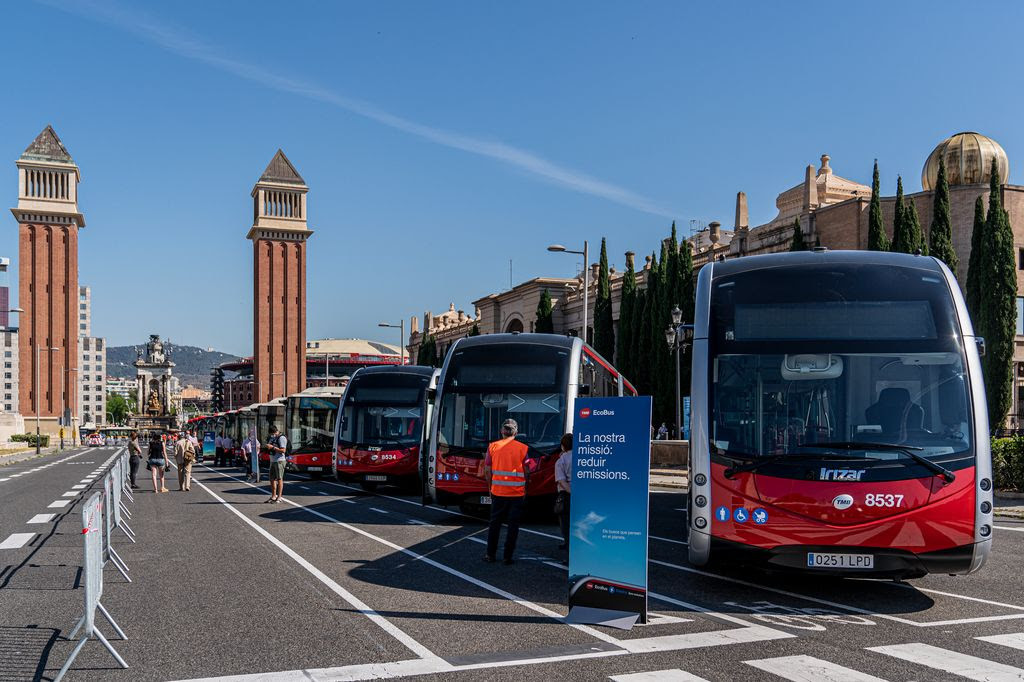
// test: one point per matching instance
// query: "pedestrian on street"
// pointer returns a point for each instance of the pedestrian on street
(184, 456)
(563, 484)
(505, 472)
(157, 463)
(218, 443)
(278, 447)
(197, 447)
(662, 432)
(228, 444)
(134, 458)
(251, 453)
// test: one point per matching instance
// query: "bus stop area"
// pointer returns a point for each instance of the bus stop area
(336, 583)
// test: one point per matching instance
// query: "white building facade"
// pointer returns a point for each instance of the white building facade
(92, 366)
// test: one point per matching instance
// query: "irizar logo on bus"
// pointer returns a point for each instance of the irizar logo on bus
(841, 474)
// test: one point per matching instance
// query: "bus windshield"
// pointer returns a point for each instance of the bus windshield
(485, 385)
(383, 410)
(311, 424)
(838, 354)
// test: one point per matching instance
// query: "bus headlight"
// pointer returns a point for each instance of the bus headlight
(985, 531)
(700, 500)
(700, 479)
(701, 522)
(986, 507)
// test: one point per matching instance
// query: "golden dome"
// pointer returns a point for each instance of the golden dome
(968, 160)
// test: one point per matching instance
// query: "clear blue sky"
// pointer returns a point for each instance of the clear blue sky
(442, 139)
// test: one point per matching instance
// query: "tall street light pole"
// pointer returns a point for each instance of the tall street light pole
(36, 391)
(558, 248)
(678, 336)
(400, 326)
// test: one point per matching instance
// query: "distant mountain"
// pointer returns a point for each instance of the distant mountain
(192, 364)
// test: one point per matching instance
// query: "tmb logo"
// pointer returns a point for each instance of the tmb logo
(584, 413)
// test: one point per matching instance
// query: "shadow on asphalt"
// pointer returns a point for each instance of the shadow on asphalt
(23, 651)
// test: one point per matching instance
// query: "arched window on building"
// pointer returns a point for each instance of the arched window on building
(514, 325)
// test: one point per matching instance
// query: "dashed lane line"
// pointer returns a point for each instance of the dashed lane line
(42, 518)
(17, 540)
(59, 504)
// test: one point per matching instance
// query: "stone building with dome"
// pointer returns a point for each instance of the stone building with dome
(833, 212)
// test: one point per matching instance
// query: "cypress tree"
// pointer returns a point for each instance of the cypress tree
(941, 233)
(687, 304)
(645, 348)
(798, 243)
(427, 353)
(604, 325)
(901, 242)
(998, 305)
(878, 240)
(475, 331)
(974, 263)
(545, 319)
(912, 225)
(627, 298)
(662, 378)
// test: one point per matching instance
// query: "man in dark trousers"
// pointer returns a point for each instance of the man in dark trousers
(505, 471)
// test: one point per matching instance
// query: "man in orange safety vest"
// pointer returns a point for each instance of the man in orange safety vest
(505, 472)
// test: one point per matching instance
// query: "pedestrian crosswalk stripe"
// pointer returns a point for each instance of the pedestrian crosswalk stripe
(673, 675)
(59, 504)
(41, 518)
(70, 494)
(1013, 640)
(810, 669)
(953, 662)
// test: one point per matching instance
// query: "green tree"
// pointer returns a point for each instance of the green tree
(798, 243)
(998, 304)
(117, 406)
(975, 261)
(913, 228)
(941, 232)
(624, 340)
(475, 331)
(604, 325)
(878, 240)
(645, 345)
(545, 315)
(901, 241)
(427, 353)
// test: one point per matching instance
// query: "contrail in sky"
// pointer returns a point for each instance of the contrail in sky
(179, 42)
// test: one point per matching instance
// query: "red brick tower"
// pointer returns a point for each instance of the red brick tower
(48, 224)
(279, 235)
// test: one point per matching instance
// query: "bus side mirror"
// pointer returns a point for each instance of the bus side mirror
(980, 341)
(584, 389)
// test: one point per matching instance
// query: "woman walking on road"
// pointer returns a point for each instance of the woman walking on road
(157, 463)
(563, 482)
(134, 457)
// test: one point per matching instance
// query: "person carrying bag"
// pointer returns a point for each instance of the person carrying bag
(184, 456)
(157, 463)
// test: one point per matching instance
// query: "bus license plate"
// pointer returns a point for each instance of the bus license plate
(314, 468)
(829, 560)
(485, 499)
(375, 477)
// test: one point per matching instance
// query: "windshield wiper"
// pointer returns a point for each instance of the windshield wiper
(772, 459)
(908, 450)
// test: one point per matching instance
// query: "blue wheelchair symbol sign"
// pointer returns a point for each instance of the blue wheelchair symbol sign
(722, 514)
(760, 517)
(741, 515)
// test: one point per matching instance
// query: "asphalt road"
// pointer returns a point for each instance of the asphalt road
(335, 583)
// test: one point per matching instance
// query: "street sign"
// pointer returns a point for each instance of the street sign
(608, 513)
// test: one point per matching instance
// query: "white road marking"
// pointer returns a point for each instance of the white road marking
(5, 479)
(86, 480)
(672, 675)
(59, 504)
(347, 596)
(674, 542)
(320, 492)
(381, 511)
(1019, 529)
(854, 609)
(79, 487)
(1013, 640)
(953, 662)
(70, 494)
(42, 518)
(17, 540)
(810, 669)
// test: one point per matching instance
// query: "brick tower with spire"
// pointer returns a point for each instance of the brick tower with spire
(279, 235)
(48, 224)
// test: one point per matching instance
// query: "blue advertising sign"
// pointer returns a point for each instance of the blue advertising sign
(611, 463)
(209, 444)
(686, 417)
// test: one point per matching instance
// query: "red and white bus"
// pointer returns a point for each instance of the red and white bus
(838, 421)
(379, 434)
(309, 426)
(532, 378)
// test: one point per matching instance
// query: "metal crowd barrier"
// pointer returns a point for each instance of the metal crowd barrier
(92, 532)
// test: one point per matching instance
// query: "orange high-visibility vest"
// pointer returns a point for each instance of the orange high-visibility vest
(508, 471)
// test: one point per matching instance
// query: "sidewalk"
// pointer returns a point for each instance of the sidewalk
(1009, 504)
(670, 477)
(29, 452)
